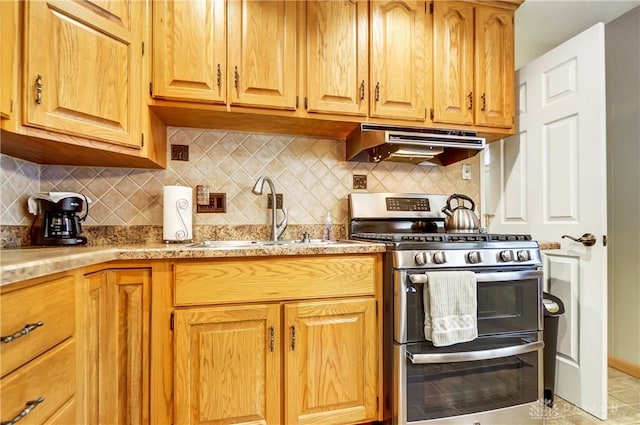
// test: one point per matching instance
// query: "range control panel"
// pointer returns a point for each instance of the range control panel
(408, 204)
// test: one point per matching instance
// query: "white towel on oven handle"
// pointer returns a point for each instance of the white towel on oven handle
(450, 304)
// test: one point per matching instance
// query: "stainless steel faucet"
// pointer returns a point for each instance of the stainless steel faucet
(276, 229)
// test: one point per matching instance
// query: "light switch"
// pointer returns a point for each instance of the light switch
(466, 171)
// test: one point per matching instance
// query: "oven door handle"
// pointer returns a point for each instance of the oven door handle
(474, 355)
(505, 276)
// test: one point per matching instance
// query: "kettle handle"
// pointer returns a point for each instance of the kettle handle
(463, 197)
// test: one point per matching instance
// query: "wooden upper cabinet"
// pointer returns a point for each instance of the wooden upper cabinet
(398, 59)
(338, 57)
(331, 362)
(9, 33)
(227, 365)
(453, 62)
(190, 50)
(82, 69)
(262, 53)
(473, 65)
(494, 67)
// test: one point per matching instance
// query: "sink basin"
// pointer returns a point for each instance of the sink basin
(244, 243)
(223, 244)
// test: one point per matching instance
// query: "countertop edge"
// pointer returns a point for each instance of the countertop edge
(18, 265)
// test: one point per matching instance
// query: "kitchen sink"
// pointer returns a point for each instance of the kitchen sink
(244, 243)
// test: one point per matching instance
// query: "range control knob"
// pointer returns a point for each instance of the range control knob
(474, 257)
(524, 255)
(506, 255)
(439, 257)
(421, 258)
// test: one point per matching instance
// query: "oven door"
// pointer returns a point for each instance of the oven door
(508, 301)
(491, 380)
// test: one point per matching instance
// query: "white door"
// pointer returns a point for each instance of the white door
(549, 180)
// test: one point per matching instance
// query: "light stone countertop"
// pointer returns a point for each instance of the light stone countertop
(26, 263)
(30, 262)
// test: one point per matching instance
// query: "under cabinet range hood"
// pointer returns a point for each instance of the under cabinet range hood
(416, 145)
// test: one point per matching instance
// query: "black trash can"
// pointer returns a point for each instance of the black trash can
(553, 308)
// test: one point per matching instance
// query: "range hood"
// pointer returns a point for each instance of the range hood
(416, 145)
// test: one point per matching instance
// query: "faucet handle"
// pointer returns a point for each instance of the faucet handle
(283, 224)
(305, 237)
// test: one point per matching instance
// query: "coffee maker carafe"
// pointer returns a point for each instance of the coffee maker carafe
(58, 218)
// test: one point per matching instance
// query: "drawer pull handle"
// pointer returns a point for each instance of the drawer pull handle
(30, 406)
(27, 328)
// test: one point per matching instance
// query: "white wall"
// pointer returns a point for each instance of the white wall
(623, 167)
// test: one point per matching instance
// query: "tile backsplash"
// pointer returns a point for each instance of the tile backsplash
(311, 173)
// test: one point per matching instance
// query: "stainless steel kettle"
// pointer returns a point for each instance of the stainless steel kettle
(461, 218)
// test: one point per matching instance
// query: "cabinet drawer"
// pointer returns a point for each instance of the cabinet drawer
(51, 303)
(51, 376)
(271, 279)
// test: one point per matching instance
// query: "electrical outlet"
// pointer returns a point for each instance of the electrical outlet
(466, 171)
(217, 204)
(278, 201)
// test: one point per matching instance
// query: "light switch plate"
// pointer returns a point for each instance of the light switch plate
(466, 171)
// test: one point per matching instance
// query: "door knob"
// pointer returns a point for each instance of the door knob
(587, 239)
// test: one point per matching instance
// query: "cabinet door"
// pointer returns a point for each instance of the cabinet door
(337, 56)
(227, 365)
(83, 68)
(262, 53)
(331, 362)
(453, 62)
(398, 59)
(117, 346)
(494, 67)
(9, 32)
(190, 50)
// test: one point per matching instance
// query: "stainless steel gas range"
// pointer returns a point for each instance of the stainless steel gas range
(493, 378)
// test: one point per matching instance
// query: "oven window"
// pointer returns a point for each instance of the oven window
(451, 389)
(508, 306)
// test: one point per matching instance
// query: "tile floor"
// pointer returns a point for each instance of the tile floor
(623, 405)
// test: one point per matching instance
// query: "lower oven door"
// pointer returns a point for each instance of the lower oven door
(492, 380)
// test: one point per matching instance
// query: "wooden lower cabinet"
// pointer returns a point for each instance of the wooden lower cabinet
(38, 350)
(116, 346)
(229, 359)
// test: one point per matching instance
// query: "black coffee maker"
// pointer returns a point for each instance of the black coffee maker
(58, 217)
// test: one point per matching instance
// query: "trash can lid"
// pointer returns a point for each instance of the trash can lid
(551, 306)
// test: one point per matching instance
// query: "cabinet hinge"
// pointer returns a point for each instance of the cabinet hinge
(150, 88)
(376, 307)
(431, 8)
(604, 240)
(297, 102)
(142, 140)
(171, 322)
(11, 105)
(431, 113)
(143, 48)
(306, 103)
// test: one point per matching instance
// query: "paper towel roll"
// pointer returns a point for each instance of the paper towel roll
(177, 220)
